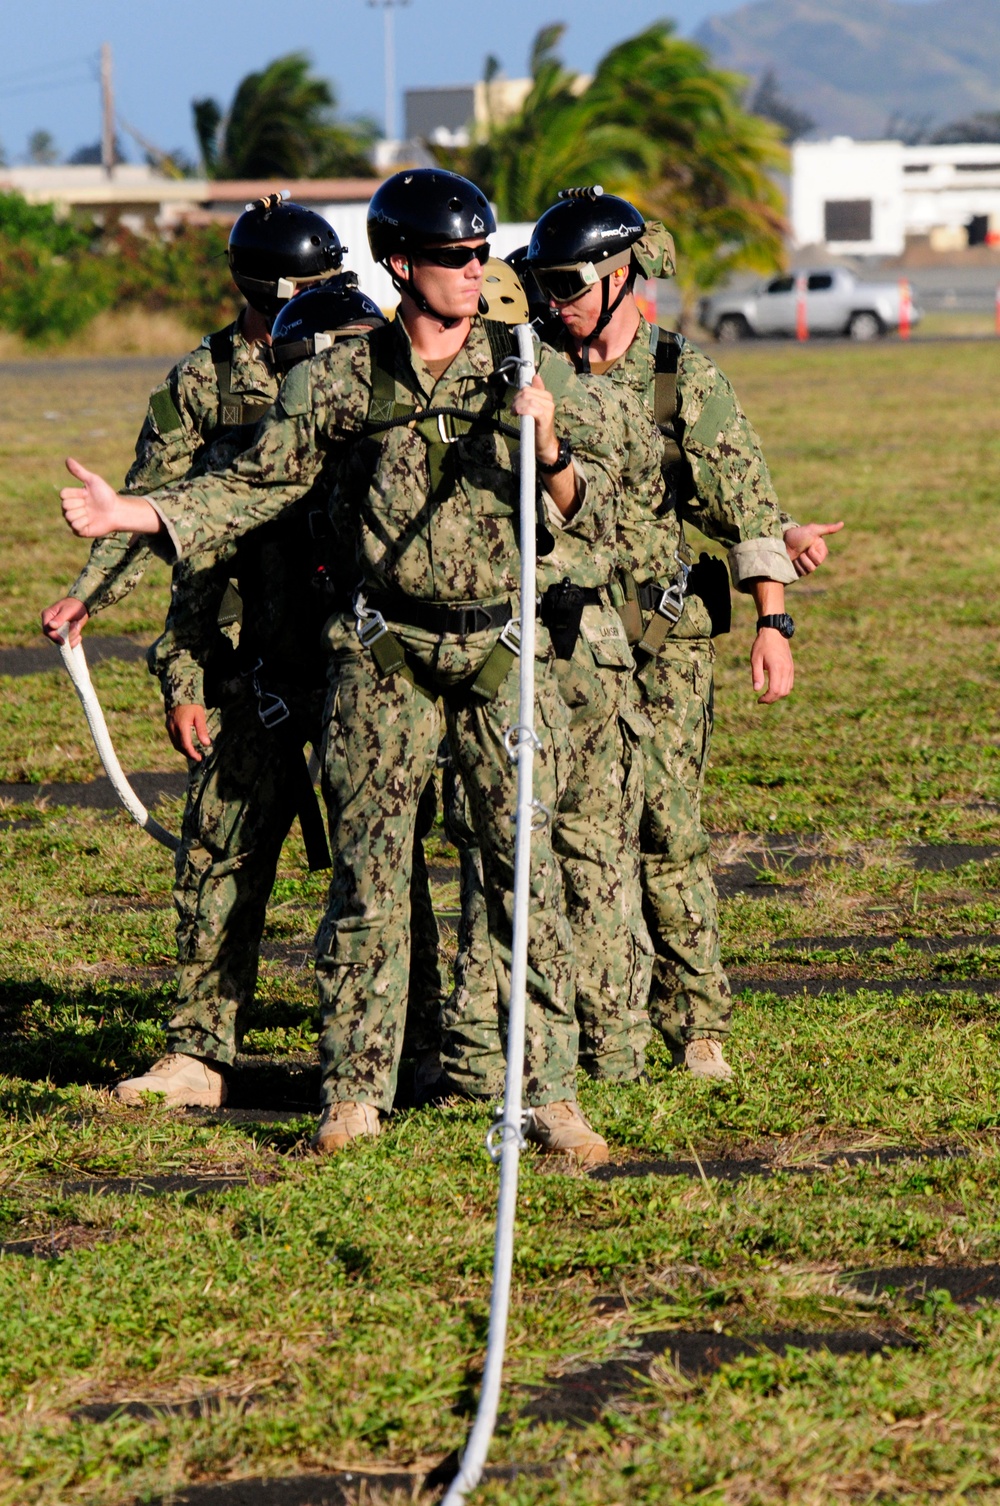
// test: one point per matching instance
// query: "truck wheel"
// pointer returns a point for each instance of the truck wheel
(730, 328)
(865, 326)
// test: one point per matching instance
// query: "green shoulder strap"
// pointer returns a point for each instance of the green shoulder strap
(666, 348)
(234, 412)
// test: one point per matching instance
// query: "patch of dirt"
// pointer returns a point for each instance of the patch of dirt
(40, 659)
(932, 945)
(150, 1411)
(737, 1168)
(59, 1242)
(582, 1398)
(946, 856)
(817, 988)
(964, 1284)
(356, 1487)
(97, 794)
(161, 1186)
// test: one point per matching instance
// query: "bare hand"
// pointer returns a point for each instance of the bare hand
(771, 663)
(95, 508)
(184, 724)
(69, 612)
(538, 403)
(806, 545)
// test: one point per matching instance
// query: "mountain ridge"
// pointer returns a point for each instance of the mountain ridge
(855, 64)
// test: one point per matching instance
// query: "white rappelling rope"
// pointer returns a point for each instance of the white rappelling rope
(75, 661)
(507, 1135)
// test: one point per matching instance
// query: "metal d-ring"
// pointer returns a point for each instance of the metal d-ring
(518, 737)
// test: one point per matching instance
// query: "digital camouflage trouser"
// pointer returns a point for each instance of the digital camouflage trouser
(690, 994)
(240, 807)
(595, 839)
(382, 738)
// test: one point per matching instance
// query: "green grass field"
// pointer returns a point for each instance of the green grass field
(190, 1300)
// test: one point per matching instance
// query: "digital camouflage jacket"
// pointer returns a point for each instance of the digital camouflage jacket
(729, 493)
(438, 527)
(184, 431)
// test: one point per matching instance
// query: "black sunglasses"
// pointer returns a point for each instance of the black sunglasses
(454, 256)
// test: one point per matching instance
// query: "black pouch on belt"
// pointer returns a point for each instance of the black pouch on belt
(562, 612)
(709, 579)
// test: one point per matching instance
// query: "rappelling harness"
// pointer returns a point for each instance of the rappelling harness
(706, 577)
(560, 608)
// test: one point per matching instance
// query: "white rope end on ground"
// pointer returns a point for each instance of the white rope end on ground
(522, 743)
(75, 661)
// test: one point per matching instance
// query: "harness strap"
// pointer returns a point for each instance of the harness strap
(307, 808)
(276, 716)
(666, 350)
(438, 427)
(435, 617)
(234, 411)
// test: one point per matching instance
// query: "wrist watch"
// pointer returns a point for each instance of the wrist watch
(780, 621)
(561, 461)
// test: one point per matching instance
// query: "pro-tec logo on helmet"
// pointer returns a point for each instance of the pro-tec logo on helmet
(477, 225)
(621, 230)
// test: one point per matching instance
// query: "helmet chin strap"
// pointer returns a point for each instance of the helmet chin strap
(408, 286)
(603, 318)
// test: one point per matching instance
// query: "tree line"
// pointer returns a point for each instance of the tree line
(657, 123)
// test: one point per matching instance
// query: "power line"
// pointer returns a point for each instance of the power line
(46, 68)
(70, 83)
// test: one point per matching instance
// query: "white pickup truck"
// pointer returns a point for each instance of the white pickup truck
(837, 303)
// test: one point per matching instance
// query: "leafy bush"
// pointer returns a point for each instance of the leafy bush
(56, 275)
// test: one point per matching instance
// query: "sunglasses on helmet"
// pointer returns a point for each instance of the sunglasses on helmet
(565, 284)
(454, 256)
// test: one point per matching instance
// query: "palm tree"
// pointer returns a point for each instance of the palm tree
(657, 124)
(281, 124)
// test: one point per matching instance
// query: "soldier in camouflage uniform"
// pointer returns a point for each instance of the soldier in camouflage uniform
(593, 670)
(585, 254)
(435, 506)
(240, 714)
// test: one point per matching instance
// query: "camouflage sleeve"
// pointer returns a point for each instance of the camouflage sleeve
(321, 401)
(595, 429)
(180, 654)
(734, 498)
(182, 411)
(115, 566)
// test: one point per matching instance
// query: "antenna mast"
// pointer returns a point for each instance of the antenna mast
(107, 112)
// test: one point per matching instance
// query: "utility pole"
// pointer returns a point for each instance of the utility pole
(387, 7)
(107, 112)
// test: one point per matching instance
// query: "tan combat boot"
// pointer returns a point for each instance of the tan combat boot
(182, 1082)
(561, 1130)
(340, 1123)
(704, 1058)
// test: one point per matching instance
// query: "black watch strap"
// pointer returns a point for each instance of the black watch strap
(561, 461)
(780, 621)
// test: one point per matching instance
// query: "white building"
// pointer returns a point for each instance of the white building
(866, 198)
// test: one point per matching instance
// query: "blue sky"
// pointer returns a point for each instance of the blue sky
(168, 52)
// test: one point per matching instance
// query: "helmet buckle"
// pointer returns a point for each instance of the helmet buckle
(285, 288)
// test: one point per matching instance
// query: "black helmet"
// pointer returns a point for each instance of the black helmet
(274, 243)
(583, 238)
(308, 323)
(423, 207)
